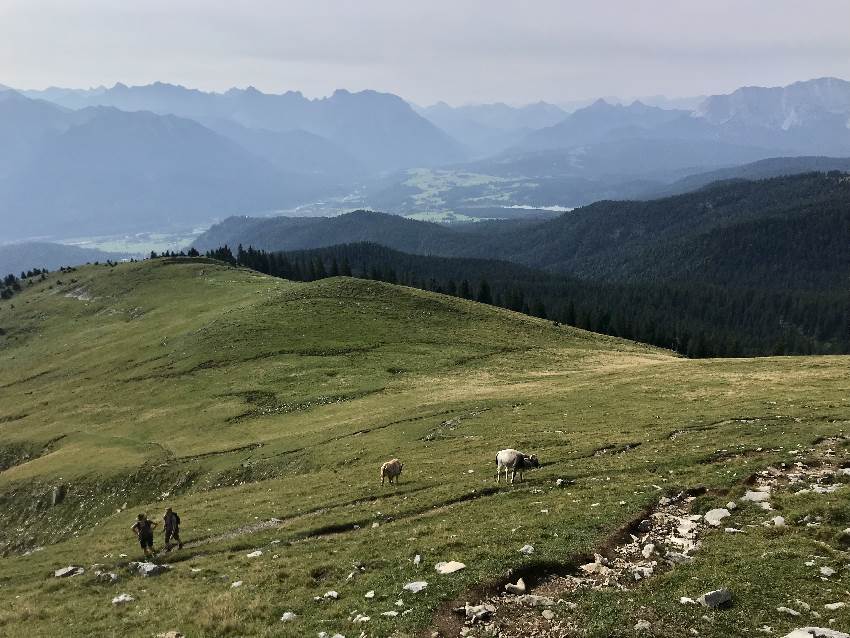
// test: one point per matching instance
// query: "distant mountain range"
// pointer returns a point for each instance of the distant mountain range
(780, 233)
(17, 258)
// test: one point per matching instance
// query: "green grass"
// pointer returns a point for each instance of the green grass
(237, 398)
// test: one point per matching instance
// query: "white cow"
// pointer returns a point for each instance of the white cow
(515, 461)
(391, 470)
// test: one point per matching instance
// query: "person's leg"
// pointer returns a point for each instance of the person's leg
(177, 538)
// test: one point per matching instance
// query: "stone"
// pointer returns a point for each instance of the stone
(715, 516)
(642, 625)
(827, 571)
(235, 584)
(645, 526)
(834, 606)
(477, 613)
(528, 550)
(715, 599)
(149, 569)
(731, 505)
(548, 614)
(171, 634)
(331, 595)
(519, 588)
(788, 610)
(816, 632)
(687, 601)
(360, 618)
(122, 599)
(532, 600)
(756, 497)
(390, 614)
(417, 559)
(106, 577)
(255, 554)
(449, 567)
(648, 550)
(370, 594)
(70, 570)
(288, 616)
(778, 521)
(416, 586)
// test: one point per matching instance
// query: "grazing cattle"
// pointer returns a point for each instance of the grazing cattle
(391, 470)
(515, 461)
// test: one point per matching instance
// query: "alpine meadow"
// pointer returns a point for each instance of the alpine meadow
(553, 346)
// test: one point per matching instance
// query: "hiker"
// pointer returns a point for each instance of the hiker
(172, 529)
(144, 530)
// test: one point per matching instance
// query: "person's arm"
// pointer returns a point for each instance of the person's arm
(135, 528)
(154, 524)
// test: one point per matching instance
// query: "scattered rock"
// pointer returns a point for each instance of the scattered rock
(642, 625)
(122, 599)
(827, 571)
(171, 634)
(519, 588)
(816, 632)
(360, 618)
(731, 505)
(417, 559)
(548, 614)
(149, 569)
(648, 550)
(331, 595)
(788, 610)
(778, 521)
(477, 613)
(235, 584)
(106, 577)
(715, 599)
(532, 600)
(416, 586)
(715, 516)
(288, 616)
(390, 614)
(756, 497)
(688, 601)
(528, 550)
(834, 606)
(71, 570)
(449, 567)
(370, 594)
(255, 554)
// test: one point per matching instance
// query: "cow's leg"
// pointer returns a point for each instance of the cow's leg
(382, 478)
(498, 474)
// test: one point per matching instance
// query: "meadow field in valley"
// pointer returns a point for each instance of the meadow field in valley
(261, 410)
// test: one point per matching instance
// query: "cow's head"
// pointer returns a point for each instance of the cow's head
(532, 461)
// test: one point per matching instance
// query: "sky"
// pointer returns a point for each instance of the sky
(458, 51)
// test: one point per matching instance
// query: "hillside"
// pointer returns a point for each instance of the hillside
(261, 410)
(775, 234)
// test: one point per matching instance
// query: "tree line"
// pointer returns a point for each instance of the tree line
(697, 320)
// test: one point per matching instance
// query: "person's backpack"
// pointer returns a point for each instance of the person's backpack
(176, 519)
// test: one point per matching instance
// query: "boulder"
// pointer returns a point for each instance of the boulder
(816, 632)
(827, 571)
(416, 586)
(519, 588)
(528, 550)
(149, 569)
(716, 598)
(834, 606)
(756, 497)
(70, 570)
(715, 516)
(288, 616)
(369, 594)
(122, 599)
(449, 567)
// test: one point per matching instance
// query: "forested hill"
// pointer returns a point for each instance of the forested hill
(695, 320)
(780, 233)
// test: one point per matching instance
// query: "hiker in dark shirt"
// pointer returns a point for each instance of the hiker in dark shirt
(171, 523)
(144, 530)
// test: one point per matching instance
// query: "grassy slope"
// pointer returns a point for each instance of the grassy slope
(246, 398)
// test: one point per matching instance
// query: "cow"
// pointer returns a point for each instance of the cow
(515, 461)
(391, 470)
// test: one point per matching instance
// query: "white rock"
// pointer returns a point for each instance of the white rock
(235, 584)
(254, 554)
(360, 618)
(713, 517)
(121, 599)
(417, 559)
(370, 594)
(548, 614)
(715, 599)
(788, 610)
(331, 595)
(687, 601)
(376, 525)
(733, 530)
(528, 550)
(149, 569)
(390, 614)
(478, 612)
(731, 505)
(834, 606)
(648, 550)
(519, 588)
(287, 616)
(816, 632)
(756, 497)
(642, 625)
(778, 521)
(71, 570)
(532, 600)
(827, 571)
(416, 586)
(449, 567)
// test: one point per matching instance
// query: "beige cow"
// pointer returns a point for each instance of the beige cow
(391, 470)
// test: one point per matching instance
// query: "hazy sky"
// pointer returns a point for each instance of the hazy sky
(455, 50)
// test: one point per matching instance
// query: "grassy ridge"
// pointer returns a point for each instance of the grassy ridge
(239, 399)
